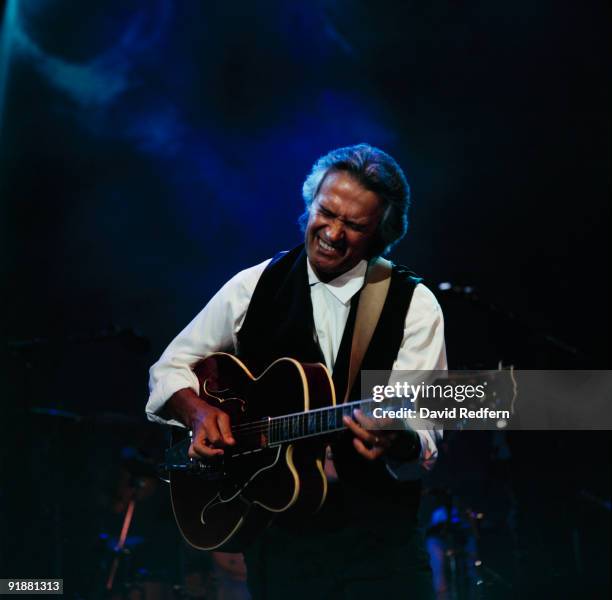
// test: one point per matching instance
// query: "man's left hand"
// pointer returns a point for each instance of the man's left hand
(371, 439)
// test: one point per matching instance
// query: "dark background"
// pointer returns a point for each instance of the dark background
(150, 150)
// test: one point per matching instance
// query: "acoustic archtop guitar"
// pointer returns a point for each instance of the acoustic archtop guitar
(280, 421)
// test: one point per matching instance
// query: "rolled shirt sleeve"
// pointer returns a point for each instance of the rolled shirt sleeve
(214, 329)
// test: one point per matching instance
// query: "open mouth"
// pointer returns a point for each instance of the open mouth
(327, 248)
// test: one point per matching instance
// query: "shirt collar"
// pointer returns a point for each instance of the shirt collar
(345, 286)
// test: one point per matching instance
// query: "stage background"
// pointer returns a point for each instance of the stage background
(150, 150)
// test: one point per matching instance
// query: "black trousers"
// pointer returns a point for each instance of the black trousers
(342, 553)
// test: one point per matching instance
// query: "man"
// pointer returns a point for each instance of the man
(303, 304)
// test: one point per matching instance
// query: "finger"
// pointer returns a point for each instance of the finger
(365, 421)
(369, 453)
(201, 445)
(213, 435)
(199, 449)
(370, 422)
(225, 428)
(359, 432)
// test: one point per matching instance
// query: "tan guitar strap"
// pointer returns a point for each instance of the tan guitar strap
(371, 302)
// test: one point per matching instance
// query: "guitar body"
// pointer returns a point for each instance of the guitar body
(241, 492)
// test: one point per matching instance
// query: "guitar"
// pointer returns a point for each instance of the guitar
(281, 422)
(222, 503)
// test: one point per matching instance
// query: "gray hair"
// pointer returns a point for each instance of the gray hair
(377, 172)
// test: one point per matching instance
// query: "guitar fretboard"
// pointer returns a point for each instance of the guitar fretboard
(319, 421)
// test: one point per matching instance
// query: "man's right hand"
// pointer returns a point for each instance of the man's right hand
(210, 426)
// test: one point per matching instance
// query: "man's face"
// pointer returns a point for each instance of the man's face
(342, 224)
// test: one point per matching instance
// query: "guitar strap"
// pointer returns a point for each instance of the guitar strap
(369, 309)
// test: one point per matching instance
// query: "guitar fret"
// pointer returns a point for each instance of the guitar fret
(311, 423)
(331, 419)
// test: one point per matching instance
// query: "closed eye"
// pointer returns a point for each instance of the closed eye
(350, 224)
(356, 226)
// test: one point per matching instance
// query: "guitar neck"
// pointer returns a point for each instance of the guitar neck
(320, 421)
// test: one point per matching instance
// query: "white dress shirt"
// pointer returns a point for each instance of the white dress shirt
(216, 327)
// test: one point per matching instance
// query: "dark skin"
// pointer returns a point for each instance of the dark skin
(341, 227)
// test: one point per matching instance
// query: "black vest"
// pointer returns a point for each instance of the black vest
(279, 322)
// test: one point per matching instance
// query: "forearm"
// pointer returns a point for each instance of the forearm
(185, 406)
(210, 427)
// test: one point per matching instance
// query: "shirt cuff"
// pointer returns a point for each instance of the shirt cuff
(165, 389)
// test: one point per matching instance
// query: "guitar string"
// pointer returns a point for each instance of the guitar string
(258, 427)
(264, 423)
(254, 428)
(263, 426)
